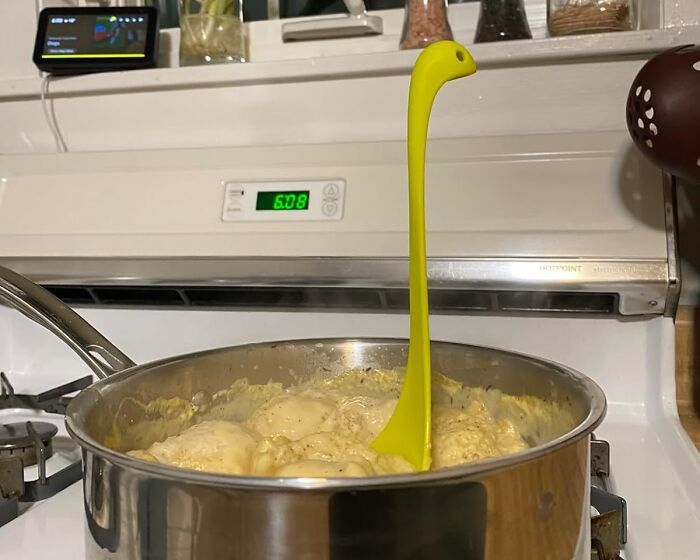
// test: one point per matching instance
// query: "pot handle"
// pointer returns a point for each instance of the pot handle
(41, 306)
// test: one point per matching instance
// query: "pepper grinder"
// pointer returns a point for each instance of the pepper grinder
(425, 22)
(502, 20)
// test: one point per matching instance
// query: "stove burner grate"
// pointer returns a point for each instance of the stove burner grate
(30, 443)
(609, 526)
(53, 401)
(19, 440)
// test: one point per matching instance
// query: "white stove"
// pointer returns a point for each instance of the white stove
(653, 464)
(556, 246)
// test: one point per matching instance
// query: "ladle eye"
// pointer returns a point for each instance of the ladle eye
(460, 56)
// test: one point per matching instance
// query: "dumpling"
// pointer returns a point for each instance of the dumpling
(365, 416)
(293, 417)
(214, 446)
(464, 436)
(274, 455)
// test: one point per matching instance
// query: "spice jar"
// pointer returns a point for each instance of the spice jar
(425, 22)
(568, 17)
(211, 32)
(502, 20)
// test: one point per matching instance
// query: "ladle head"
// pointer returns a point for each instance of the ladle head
(663, 111)
(441, 62)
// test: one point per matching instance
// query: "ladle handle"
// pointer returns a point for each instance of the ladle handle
(41, 306)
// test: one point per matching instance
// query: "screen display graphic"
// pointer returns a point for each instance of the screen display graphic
(282, 200)
(74, 36)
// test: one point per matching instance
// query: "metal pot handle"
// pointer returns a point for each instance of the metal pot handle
(41, 306)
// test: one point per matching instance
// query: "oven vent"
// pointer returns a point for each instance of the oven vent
(442, 301)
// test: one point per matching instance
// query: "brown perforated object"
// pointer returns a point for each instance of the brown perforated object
(663, 111)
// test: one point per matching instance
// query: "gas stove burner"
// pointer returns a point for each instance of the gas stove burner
(19, 439)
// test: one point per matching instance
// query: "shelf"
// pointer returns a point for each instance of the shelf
(492, 55)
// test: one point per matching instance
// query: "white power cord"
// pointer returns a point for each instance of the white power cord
(50, 114)
(48, 108)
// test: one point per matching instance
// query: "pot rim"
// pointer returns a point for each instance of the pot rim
(596, 396)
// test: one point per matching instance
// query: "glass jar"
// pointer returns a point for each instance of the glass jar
(211, 32)
(502, 20)
(425, 22)
(569, 17)
(168, 12)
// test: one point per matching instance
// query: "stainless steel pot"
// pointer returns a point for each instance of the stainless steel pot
(532, 505)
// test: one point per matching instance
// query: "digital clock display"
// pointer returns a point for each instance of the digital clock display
(282, 200)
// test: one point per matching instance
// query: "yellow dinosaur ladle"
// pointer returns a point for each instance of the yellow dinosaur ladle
(408, 432)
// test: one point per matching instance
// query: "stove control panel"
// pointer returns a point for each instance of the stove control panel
(283, 201)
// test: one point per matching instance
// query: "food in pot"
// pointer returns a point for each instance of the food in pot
(214, 446)
(324, 427)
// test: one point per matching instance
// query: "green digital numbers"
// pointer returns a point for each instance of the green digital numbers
(287, 200)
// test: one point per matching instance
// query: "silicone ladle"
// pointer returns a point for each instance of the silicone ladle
(408, 432)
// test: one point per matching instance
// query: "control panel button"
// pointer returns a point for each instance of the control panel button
(329, 208)
(233, 201)
(331, 190)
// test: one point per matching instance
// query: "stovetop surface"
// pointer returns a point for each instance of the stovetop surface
(662, 520)
(653, 463)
